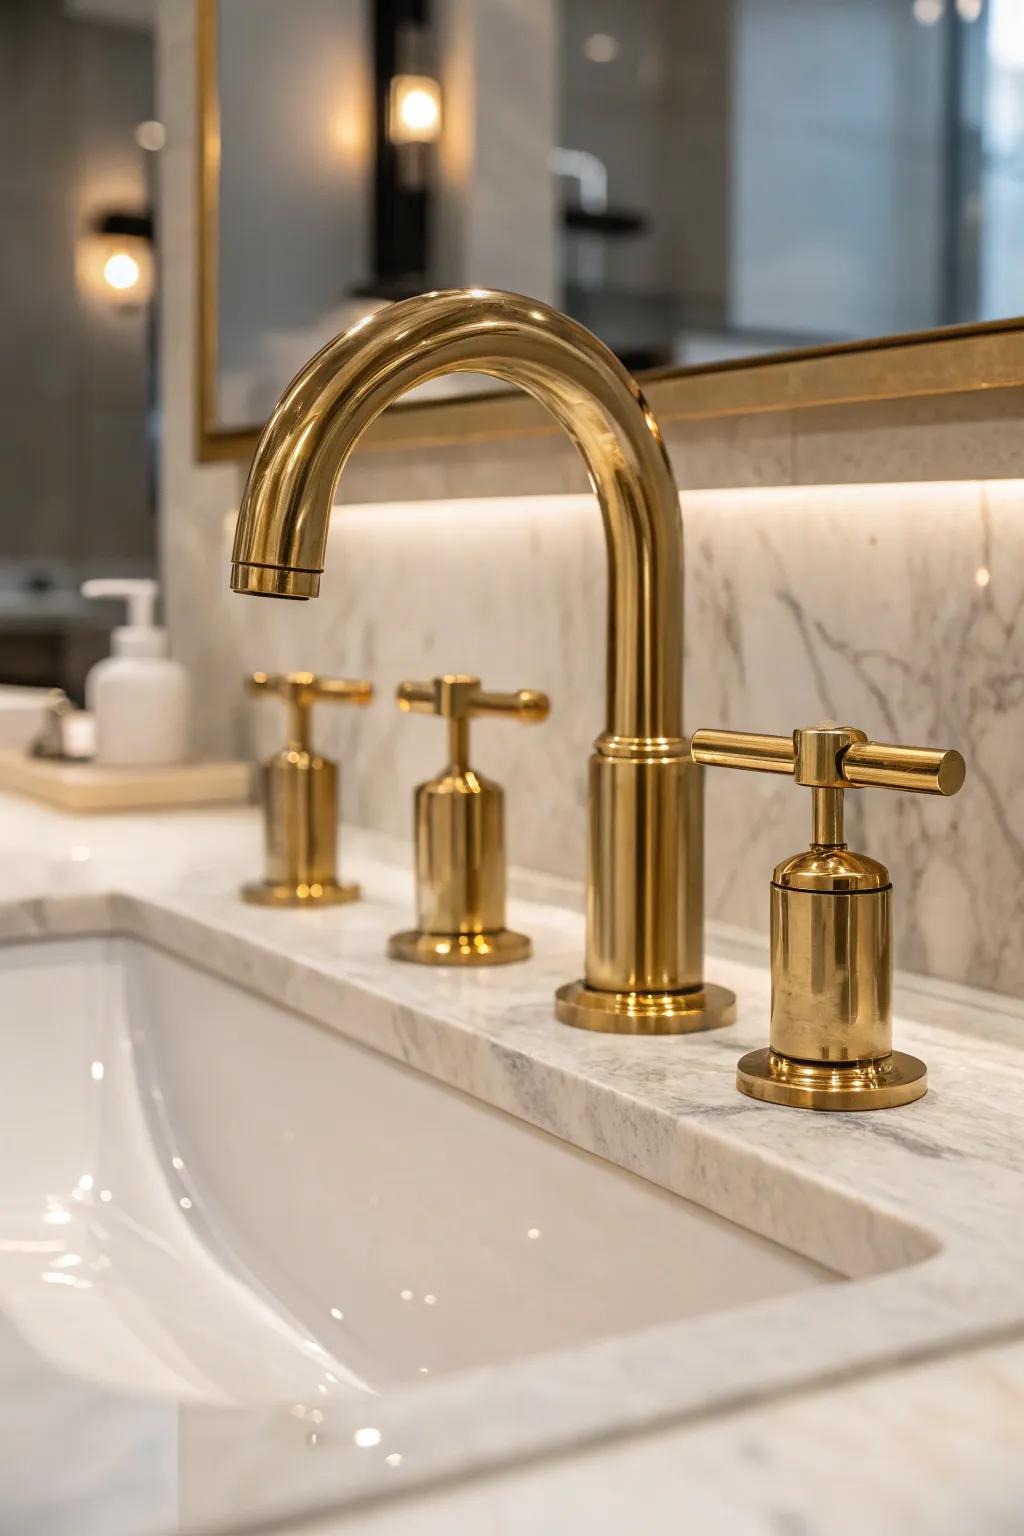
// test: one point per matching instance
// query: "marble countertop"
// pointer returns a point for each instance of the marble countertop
(742, 1418)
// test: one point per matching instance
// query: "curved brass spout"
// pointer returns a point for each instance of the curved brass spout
(645, 876)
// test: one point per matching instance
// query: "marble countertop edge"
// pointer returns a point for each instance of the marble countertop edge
(920, 1208)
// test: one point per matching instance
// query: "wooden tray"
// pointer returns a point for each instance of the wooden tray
(91, 787)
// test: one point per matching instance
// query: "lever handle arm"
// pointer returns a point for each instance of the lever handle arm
(849, 761)
(301, 690)
(459, 697)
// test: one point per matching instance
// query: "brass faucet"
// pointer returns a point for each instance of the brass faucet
(644, 939)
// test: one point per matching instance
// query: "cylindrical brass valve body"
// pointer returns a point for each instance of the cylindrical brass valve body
(460, 855)
(831, 948)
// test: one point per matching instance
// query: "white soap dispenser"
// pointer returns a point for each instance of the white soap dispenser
(138, 695)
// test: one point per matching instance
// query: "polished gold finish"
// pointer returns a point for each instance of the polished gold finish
(954, 360)
(646, 1013)
(831, 924)
(300, 798)
(884, 1084)
(460, 834)
(926, 770)
(645, 851)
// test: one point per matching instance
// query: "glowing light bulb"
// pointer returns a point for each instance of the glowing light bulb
(419, 111)
(414, 109)
(121, 271)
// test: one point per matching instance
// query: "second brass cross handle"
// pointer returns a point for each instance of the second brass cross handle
(460, 697)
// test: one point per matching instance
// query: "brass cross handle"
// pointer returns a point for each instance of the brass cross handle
(829, 759)
(301, 690)
(458, 699)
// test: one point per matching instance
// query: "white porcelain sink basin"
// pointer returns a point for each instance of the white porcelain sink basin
(207, 1199)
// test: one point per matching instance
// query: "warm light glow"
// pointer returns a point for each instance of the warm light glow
(97, 1071)
(116, 270)
(121, 271)
(982, 576)
(365, 1438)
(414, 110)
(418, 111)
(928, 12)
(969, 10)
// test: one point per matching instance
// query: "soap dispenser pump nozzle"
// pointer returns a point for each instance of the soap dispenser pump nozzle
(141, 636)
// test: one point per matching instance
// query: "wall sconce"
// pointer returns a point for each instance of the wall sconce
(414, 109)
(115, 259)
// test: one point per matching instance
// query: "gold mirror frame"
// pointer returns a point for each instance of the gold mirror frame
(950, 360)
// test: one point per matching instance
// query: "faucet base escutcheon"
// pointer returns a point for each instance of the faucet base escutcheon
(645, 1013)
(836, 1085)
(500, 947)
(316, 893)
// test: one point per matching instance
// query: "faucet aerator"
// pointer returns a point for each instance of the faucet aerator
(274, 581)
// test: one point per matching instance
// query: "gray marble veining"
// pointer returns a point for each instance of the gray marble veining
(895, 608)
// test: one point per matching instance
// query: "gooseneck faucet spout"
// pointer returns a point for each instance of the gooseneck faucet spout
(644, 948)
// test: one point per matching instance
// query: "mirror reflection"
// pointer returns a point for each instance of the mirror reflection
(695, 180)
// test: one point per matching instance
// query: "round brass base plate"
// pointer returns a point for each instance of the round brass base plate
(645, 1013)
(897, 1079)
(499, 947)
(263, 893)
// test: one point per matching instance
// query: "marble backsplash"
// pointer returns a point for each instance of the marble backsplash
(896, 608)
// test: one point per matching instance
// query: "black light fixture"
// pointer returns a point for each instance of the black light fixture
(408, 120)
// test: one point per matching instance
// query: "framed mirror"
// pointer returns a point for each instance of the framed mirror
(756, 203)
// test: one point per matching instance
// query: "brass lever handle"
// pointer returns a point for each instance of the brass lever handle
(852, 762)
(457, 697)
(307, 688)
(828, 759)
(301, 690)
